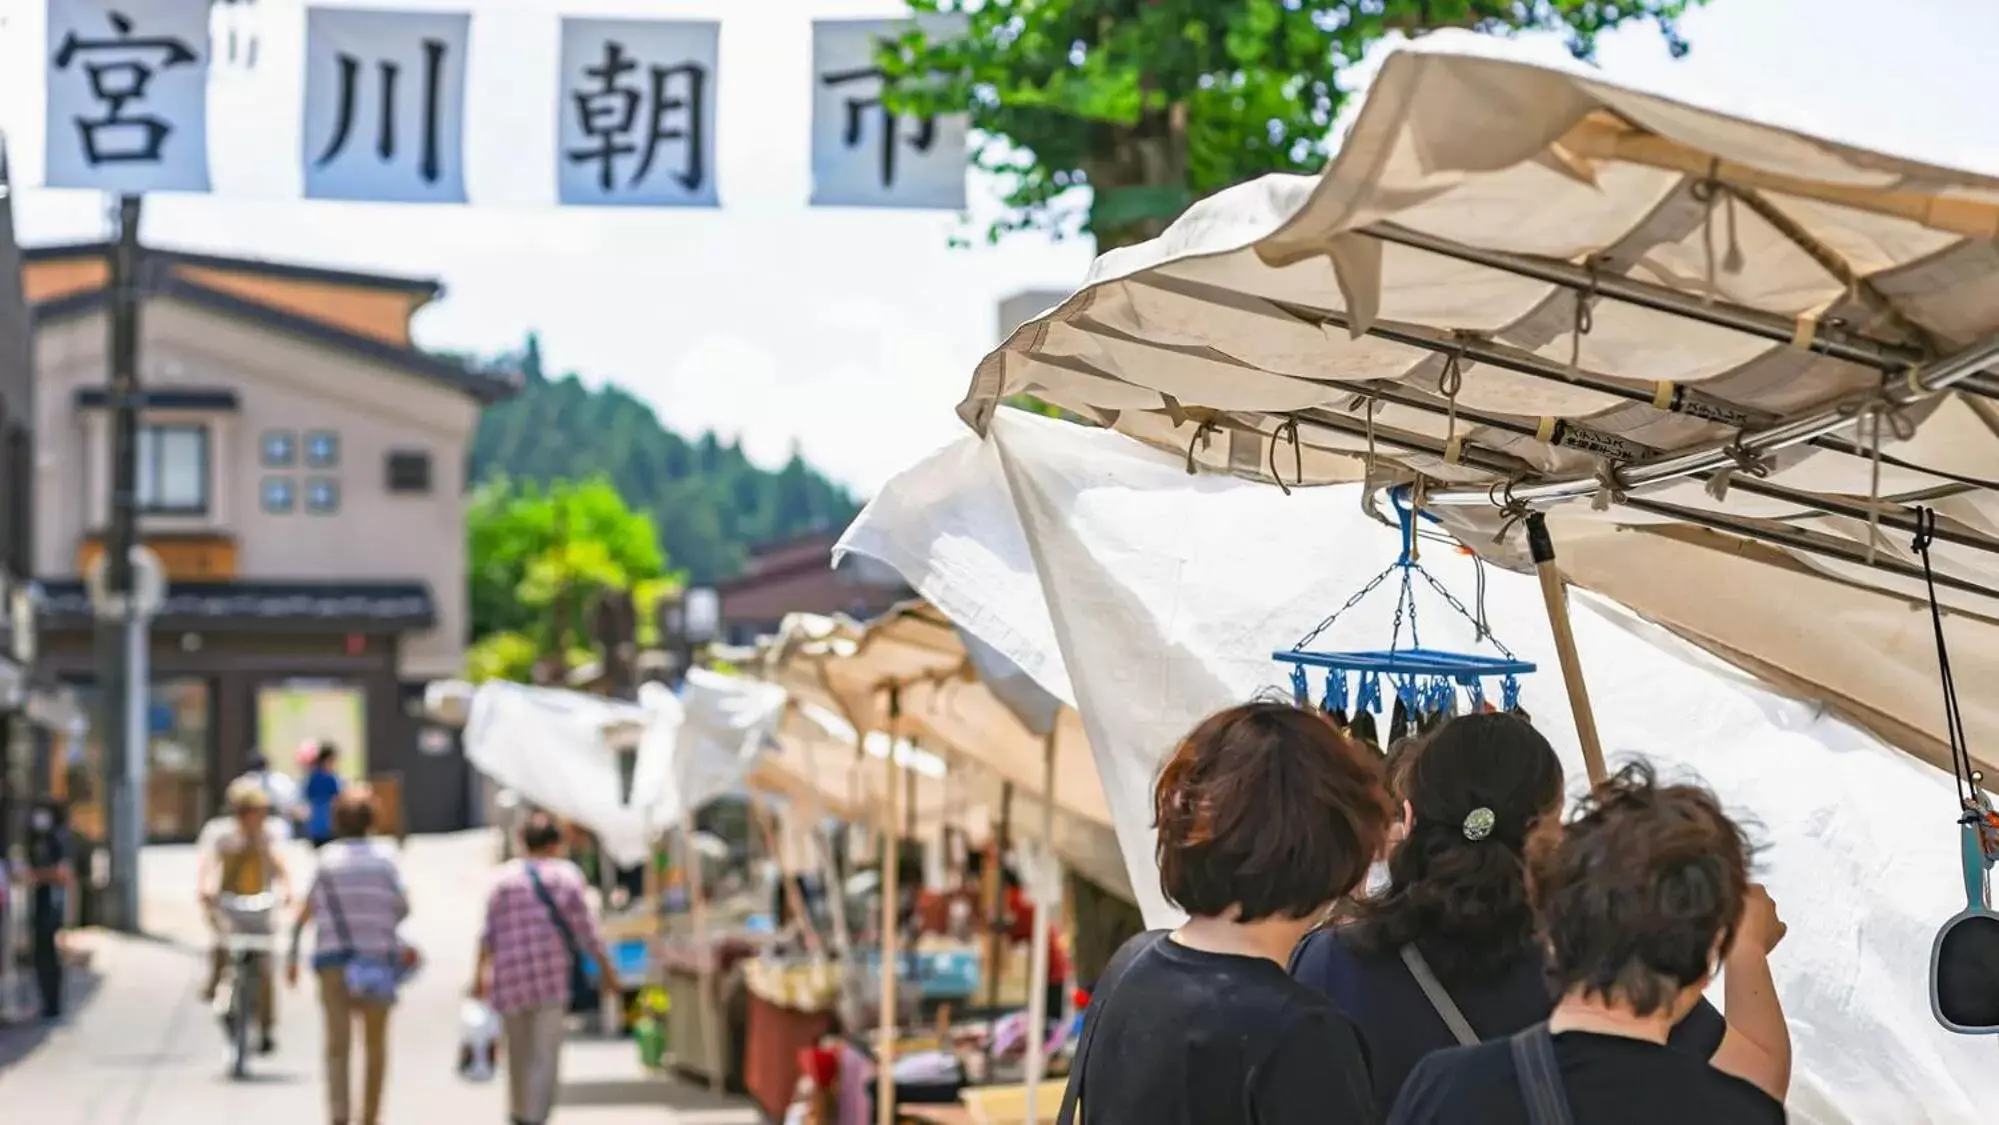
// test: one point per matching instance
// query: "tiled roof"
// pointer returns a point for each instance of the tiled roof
(333, 606)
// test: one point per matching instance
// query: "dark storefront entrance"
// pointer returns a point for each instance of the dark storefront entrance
(224, 686)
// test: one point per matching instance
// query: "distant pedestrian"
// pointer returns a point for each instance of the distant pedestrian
(281, 789)
(322, 786)
(356, 902)
(534, 955)
(52, 873)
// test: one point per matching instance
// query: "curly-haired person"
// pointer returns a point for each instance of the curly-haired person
(1640, 899)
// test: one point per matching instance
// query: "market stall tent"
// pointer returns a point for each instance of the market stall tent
(1155, 598)
(1731, 362)
(963, 701)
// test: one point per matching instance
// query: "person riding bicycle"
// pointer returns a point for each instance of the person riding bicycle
(240, 855)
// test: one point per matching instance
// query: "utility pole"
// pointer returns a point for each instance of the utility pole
(121, 631)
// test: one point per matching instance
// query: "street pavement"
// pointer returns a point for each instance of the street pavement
(142, 1049)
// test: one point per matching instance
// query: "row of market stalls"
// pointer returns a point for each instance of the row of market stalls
(1731, 379)
(1735, 381)
(839, 734)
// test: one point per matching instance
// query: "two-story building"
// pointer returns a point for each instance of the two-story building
(301, 479)
(16, 506)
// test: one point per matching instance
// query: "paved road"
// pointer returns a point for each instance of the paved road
(143, 1050)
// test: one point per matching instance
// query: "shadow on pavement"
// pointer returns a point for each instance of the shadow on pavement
(18, 1041)
(665, 1093)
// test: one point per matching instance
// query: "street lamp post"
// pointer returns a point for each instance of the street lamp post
(121, 629)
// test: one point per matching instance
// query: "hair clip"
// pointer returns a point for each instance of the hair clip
(1478, 823)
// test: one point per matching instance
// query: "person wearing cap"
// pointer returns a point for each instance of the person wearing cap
(282, 789)
(241, 854)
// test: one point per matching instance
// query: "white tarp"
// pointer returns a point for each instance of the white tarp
(701, 744)
(1150, 598)
(558, 750)
(1518, 283)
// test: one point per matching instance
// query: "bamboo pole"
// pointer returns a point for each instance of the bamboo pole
(1555, 594)
(891, 865)
(1037, 974)
(787, 880)
(993, 885)
(697, 904)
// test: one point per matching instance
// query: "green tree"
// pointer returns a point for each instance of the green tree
(538, 556)
(708, 501)
(1153, 104)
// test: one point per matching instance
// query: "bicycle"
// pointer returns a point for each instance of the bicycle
(250, 940)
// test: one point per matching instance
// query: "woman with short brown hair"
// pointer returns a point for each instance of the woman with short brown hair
(1639, 900)
(1266, 814)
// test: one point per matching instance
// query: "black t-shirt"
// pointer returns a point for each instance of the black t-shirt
(1609, 1080)
(1399, 1027)
(1186, 1037)
(48, 849)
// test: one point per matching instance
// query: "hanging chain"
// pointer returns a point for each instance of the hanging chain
(1351, 602)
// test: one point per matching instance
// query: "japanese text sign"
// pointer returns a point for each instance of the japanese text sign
(636, 108)
(128, 95)
(862, 154)
(385, 105)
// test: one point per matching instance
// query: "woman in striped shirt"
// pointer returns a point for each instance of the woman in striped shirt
(357, 901)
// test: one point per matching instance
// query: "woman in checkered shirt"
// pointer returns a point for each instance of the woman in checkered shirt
(538, 922)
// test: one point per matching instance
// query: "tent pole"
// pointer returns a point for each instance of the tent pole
(697, 905)
(994, 883)
(1044, 906)
(788, 880)
(891, 867)
(1556, 596)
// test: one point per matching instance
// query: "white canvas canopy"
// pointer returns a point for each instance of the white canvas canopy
(1153, 598)
(963, 700)
(1729, 360)
(559, 750)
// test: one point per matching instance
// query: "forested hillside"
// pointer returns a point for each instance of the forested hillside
(708, 501)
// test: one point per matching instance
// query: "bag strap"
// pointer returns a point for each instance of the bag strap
(1433, 991)
(1540, 1077)
(1114, 974)
(554, 914)
(333, 911)
(321, 883)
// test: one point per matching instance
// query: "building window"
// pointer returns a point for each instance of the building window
(322, 495)
(322, 449)
(173, 470)
(409, 472)
(280, 449)
(280, 495)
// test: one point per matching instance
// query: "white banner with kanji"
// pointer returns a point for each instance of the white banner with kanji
(385, 105)
(637, 113)
(863, 155)
(127, 95)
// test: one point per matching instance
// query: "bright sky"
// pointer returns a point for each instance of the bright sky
(851, 332)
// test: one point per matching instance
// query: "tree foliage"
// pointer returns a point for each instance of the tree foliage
(1155, 103)
(708, 503)
(540, 556)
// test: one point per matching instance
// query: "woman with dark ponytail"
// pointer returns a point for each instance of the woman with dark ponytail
(1447, 953)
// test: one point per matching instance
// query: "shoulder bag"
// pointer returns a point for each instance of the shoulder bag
(583, 992)
(1440, 1000)
(1540, 1078)
(370, 979)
